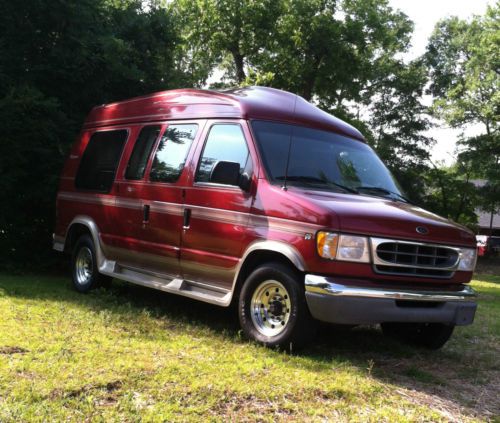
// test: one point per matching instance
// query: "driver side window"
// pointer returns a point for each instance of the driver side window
(225, 142)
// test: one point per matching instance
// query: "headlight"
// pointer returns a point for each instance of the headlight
(353, 248)
(467, 259)
(343, 247)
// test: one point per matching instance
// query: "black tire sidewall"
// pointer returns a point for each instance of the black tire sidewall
(84, 241)
(295, 331)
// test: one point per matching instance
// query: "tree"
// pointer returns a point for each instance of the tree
(223, 33)
(464, 67)
(33, 139)
(316, 48)
(331, 50)
(449, 192)
(483, 154)
(398, 120)
(57, 60)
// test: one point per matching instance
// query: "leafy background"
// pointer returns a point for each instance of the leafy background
(59, 58)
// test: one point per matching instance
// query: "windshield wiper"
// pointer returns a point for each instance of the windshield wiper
(386, 192)
(312, 180)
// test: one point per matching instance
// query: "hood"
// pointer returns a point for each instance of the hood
(376, 216)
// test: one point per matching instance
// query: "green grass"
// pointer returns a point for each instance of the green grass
(128, 353)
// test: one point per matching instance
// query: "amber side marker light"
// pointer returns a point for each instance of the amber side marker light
(327, 243)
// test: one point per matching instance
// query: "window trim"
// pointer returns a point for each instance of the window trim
(216, 185)
(161, 129)
(91, 133)
(166, 125)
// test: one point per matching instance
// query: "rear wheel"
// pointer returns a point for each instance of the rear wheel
(428, 335)
(84, 271)
(272, 307)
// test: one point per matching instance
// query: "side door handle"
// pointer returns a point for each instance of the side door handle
(187, 218)
(145, 217)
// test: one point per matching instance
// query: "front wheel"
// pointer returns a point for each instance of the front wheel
(272, 307)
(428, 335)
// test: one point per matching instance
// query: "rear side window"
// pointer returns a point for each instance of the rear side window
(100, 160)
(142, 149)
(171, 153)
(225, 142)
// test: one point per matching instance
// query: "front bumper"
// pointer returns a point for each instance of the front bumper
(334, 302)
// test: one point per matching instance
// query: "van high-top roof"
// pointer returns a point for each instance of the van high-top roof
(242, 103)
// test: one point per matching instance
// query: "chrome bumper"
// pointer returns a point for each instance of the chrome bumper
(322, 285)
(333, 302)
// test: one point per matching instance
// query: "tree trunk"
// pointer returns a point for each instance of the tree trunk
(310, 78)
(491, 222)
(238, 64)
(307, 90)
(444, 199)
(463, 197)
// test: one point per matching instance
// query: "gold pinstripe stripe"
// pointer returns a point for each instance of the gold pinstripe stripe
(199, 212)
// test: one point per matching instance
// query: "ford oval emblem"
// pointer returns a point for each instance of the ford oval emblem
(422, 230)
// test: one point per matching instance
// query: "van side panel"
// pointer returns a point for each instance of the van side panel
(217, 236)
(71, 202)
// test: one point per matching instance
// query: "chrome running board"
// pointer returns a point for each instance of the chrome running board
(166, 283)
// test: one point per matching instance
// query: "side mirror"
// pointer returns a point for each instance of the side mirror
(245, 181)
(227, 173)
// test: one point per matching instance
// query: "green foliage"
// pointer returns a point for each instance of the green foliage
(449, 193)
(59, 59)
(31, 149)
(483, 154)
(331, 50)
(464, 67)
(223, 33)
(398, 121)
(86, 53)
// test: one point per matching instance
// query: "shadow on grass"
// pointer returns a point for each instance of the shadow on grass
(364, 348)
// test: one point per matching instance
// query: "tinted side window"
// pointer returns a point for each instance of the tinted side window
(100, 160)
(172, 151)
(225, 142)
(142, 149)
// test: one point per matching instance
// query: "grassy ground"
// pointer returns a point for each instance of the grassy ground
(128, 353)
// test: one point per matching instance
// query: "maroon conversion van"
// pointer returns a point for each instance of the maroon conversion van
(256, 197)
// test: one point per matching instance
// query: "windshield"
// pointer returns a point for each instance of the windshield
(321, 159)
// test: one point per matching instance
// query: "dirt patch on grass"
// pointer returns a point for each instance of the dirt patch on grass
(12, 350)
(109, 387)
(249, 408)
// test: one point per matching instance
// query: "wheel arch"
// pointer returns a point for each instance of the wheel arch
(79, 226)
(266, 251)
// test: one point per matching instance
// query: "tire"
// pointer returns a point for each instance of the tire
(427, 335)
(272, 308)
(84, 271)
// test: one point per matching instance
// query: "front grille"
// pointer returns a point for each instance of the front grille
(412, 259)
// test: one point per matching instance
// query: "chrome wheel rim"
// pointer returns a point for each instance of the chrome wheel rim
(270, 308)
(83, 266)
